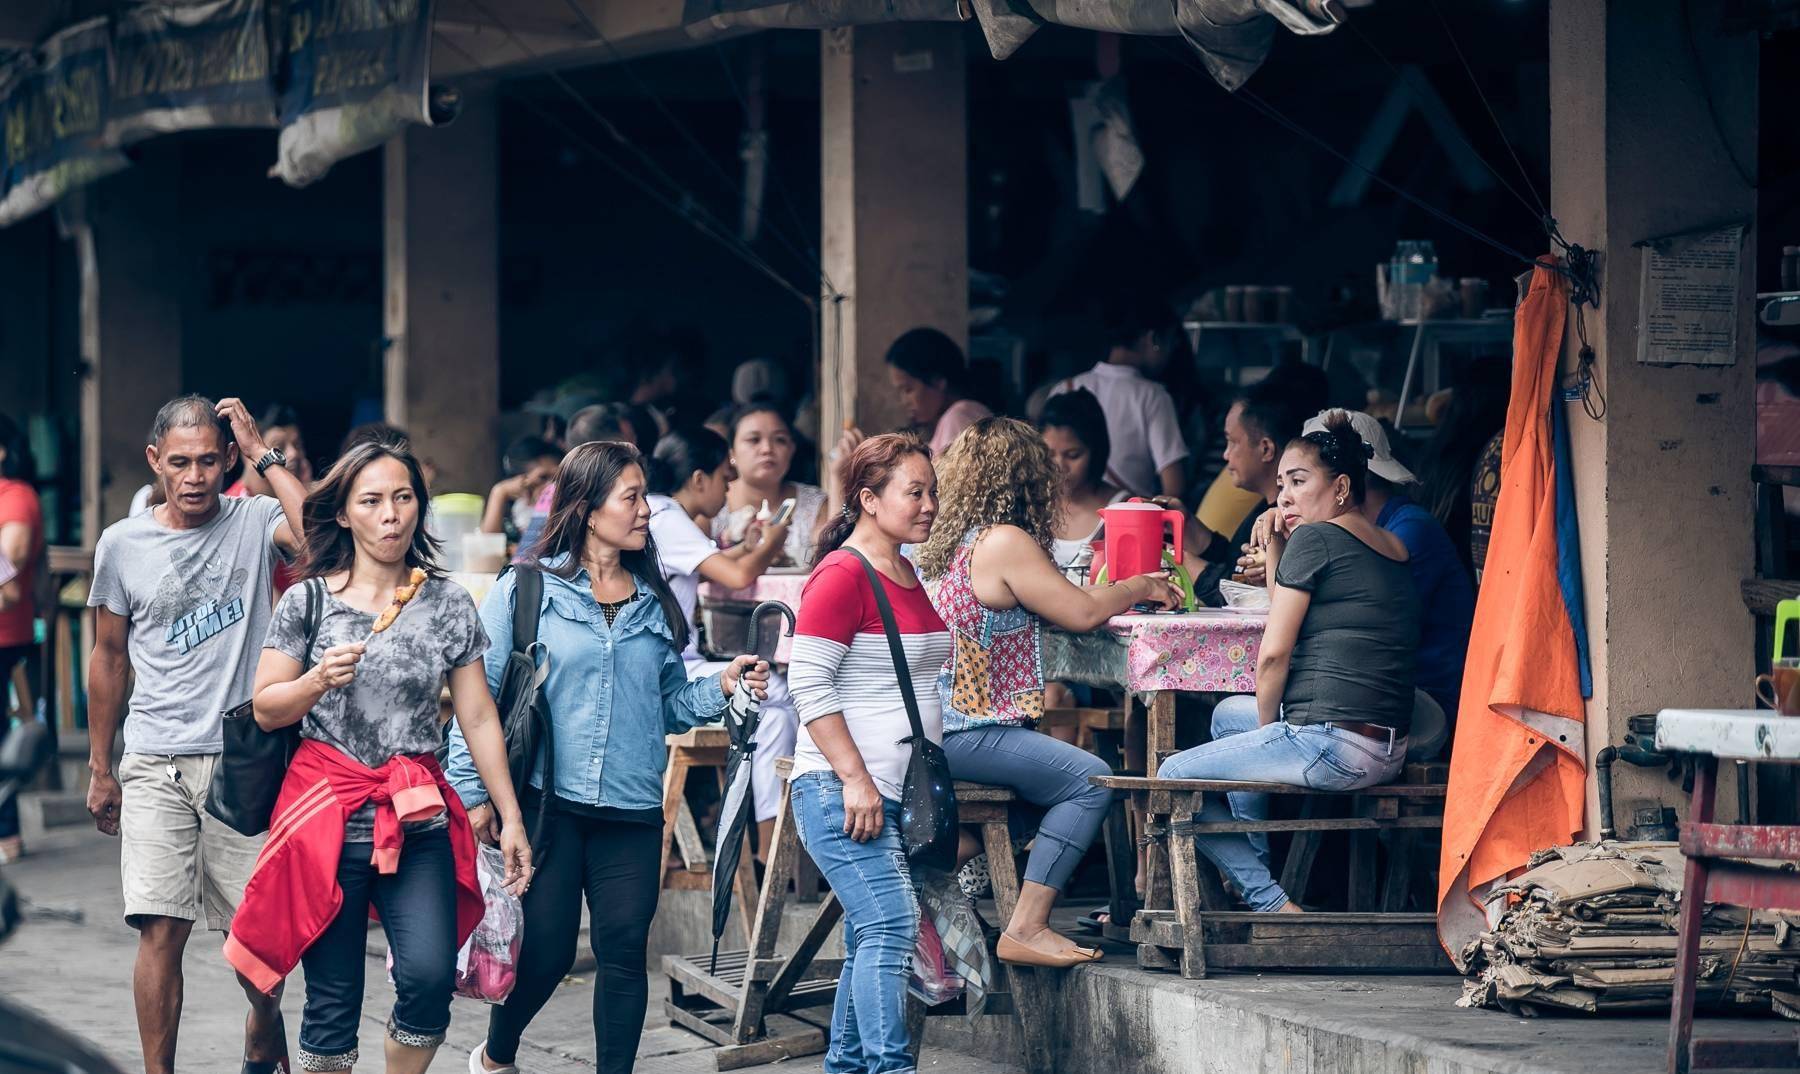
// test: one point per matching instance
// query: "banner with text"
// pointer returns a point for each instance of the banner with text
(338, 76)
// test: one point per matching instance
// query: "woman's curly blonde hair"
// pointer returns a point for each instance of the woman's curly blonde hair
(998, 472)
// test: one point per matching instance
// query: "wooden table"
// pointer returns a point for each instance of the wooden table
(725, 613)
(1717, 869)
(1157, 656)
(1209, 651)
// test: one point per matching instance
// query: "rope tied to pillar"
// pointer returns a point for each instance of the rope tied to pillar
(1584, 291)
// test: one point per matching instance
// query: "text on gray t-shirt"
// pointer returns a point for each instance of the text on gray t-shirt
(198, 603)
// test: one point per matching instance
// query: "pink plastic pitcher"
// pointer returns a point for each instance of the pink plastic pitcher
(1134, 538)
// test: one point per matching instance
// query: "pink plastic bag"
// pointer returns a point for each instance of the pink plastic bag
(487, 966)
(932, 979)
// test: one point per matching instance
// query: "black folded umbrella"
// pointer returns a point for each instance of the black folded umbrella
(742, 715)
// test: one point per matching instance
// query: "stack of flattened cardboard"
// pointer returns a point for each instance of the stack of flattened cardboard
(1591, 927)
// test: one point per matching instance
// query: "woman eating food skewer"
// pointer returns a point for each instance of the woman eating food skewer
(365, 817)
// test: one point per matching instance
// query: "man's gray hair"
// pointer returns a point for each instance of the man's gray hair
(190, 412)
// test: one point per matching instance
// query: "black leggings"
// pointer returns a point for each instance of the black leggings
(616, 865)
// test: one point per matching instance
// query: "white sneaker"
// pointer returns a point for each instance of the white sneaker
(477, 1065)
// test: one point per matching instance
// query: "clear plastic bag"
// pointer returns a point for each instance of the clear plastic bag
(932, 979)
(487, 966)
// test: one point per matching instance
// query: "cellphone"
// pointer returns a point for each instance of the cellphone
(784, 512)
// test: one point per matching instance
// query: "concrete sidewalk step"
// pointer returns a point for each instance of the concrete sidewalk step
(41, 812)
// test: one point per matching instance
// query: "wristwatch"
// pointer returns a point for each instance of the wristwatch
(271, 457)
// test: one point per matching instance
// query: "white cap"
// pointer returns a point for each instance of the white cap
(1382, 463)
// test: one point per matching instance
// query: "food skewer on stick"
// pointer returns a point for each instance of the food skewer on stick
(402, 596)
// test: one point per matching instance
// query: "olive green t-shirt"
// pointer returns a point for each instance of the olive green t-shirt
(1353, 661)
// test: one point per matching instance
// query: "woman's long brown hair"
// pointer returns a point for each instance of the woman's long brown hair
(329, 547)
(587, 476)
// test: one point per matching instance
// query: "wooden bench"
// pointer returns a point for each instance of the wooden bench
(1188, 923)
(761, 1007)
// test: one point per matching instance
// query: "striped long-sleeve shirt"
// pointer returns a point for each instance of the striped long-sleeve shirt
(842, 663)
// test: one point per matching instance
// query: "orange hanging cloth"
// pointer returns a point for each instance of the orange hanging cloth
(1518, 765)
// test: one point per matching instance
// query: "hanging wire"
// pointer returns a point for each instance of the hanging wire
(809, 260)
(1748, 175)
(1578, 266)
(682, 202)
(1273, 114)
(781, 188)
(1582, 285)
(1582, 270)
(686, 207)
(1356, 31)
(1542, 209)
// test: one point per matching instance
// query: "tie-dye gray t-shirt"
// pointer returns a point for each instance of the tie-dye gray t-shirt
(391, 707)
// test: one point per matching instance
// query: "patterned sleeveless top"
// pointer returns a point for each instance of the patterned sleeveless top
(995, 675)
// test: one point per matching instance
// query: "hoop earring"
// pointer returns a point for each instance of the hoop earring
(1341, 500)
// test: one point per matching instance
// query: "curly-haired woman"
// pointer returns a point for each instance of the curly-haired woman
(988, 561)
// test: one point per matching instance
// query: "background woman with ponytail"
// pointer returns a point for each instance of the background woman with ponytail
(1334, 675)
(850, 761)
(613, 633)
(690, 472)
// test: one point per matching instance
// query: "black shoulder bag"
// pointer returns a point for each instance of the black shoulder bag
(247, 779)
(928, 824)
(524, 710)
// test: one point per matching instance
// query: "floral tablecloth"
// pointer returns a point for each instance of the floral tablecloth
(1206, 651)
(725, 613)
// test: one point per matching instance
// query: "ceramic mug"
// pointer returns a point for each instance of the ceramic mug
(1780, 688)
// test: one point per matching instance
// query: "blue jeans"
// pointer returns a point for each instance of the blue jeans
(1309, 755)
(418, 913)
(1045, 772)
(881, 926)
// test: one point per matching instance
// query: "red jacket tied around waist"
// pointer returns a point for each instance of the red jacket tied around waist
(293, 893)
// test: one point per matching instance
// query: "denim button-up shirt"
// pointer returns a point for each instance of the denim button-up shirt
(614, 692)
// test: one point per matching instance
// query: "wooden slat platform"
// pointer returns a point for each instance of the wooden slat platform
(724, 988)
(1343, 942)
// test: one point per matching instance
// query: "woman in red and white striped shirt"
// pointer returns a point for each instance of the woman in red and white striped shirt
(849, 760)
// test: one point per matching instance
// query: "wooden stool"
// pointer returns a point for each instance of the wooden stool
(1196, 929)
(702, 747)
(1720, 869)
(986, 807)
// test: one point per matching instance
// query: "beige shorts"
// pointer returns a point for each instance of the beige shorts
(174, 857)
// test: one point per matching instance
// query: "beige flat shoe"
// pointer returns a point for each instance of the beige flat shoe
(1019, 954)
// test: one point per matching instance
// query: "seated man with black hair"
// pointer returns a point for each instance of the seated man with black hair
(1258, 426)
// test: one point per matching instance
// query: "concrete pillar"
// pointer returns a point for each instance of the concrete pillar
(1663, 481)
(441, 236)
(127, 237)
(894, 204)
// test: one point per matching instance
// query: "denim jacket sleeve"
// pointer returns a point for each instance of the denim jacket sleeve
(496, 619)
(686, 704)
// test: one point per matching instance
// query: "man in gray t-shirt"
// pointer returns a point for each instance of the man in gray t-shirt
(182, 593)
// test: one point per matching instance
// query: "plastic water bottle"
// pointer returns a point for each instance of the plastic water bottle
(1419, 269)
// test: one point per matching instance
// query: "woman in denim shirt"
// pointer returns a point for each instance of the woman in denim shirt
(613, 634)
